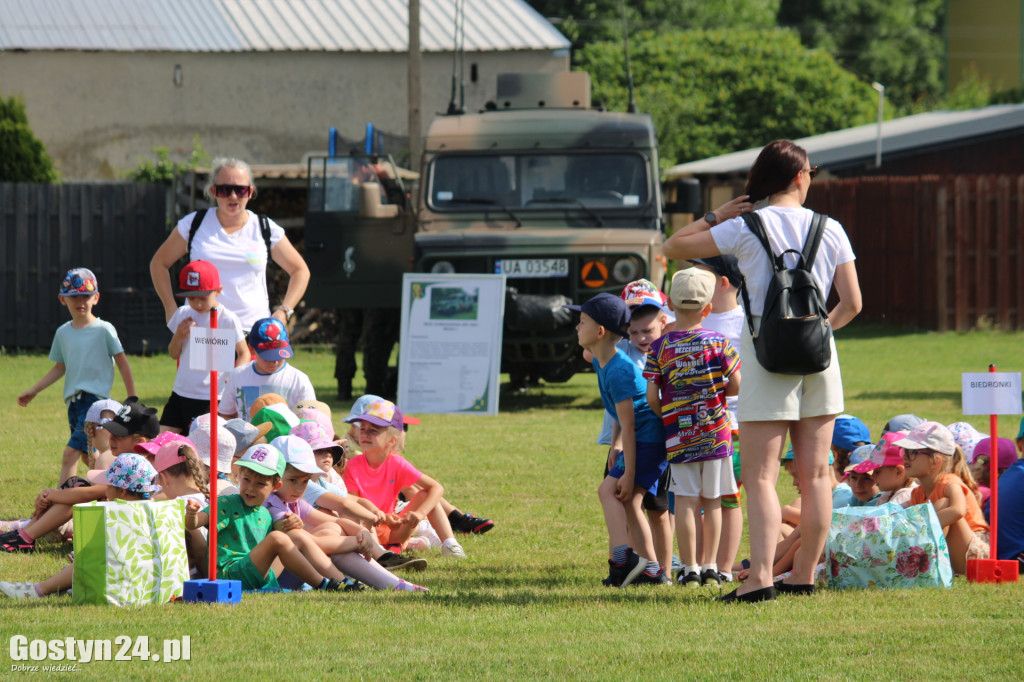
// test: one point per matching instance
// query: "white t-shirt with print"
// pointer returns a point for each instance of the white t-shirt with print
(241, 260)
(787, 228)
(245, 385)
(190, 383)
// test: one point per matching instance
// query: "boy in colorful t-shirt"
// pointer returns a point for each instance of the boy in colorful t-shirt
(691, 372)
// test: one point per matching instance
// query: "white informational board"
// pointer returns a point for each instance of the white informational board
(451, 343)
(211, 349)
(992, 393)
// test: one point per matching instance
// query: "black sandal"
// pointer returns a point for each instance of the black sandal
(763, 594)
(785, 588)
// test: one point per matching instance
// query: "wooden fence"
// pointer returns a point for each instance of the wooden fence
(112, 229)
(934, 252)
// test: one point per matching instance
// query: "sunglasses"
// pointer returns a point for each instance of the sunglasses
(812, 171)
(225, 191)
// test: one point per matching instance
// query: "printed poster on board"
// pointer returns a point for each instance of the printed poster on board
(451, 343)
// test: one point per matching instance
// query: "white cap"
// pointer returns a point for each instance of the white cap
(199, 434)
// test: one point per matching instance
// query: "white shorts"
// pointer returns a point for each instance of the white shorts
(709, 480)
(768, 397)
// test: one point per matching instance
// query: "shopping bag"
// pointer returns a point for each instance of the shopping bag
(887, 546)
(129, 553)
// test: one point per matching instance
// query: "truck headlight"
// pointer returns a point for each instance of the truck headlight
(625, 270)
(443, 267)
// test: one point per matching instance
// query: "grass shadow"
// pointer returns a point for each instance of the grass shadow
(951, 396)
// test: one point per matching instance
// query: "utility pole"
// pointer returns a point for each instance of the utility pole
(415, 74)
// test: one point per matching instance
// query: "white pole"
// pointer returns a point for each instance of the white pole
(881, 105)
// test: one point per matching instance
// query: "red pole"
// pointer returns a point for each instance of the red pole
(993, 480)
(214, 386)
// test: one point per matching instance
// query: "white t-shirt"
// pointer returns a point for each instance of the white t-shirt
(189, 383)
(241, 260)
(245, 385)
(787, 229)
(730, 325)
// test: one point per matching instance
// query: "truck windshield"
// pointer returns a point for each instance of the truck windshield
(586, 182)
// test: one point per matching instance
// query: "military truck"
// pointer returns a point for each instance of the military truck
(561, 197)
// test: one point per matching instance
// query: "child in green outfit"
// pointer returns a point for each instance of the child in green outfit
(247, 545)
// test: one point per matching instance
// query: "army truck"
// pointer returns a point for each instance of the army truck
(562, 198)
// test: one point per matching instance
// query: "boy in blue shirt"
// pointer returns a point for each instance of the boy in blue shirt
(84, 351)
(637, 458)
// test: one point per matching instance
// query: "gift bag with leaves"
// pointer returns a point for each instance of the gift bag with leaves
(887, 546)
(129, 553)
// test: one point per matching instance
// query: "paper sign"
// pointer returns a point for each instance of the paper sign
(451, 343)
(211, 349)
(992, 393)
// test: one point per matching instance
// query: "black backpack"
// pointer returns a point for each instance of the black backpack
(795, 331)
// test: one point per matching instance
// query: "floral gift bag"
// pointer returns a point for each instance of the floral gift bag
(129, 553)
(887, 546)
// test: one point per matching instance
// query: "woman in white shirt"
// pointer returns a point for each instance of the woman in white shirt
(774, 405)
(230, 237)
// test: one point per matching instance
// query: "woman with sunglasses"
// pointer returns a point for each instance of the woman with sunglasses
(772, 406)
(230, 237)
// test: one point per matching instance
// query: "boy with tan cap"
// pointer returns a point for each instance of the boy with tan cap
(691, 371)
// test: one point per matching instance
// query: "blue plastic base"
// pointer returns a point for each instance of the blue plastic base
(213, 591)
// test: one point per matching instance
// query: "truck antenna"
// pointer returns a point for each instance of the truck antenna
(631, 108)
(453, 105)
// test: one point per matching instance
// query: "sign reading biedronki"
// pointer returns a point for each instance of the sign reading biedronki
(992, 393)
(211, 350)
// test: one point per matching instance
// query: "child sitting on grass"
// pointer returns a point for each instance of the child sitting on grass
(637, 469)
(131, 478)
(349, 546)
(691, 371)
(933, 458)
(97, 438)
(247, 546)
(865, 492)
(380, 473)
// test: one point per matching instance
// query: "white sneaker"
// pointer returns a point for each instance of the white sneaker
(417, 544)
(20, 590)
(453, 549)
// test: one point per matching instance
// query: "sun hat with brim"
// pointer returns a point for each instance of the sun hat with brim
(308, 414)
(200, 434)
(929, 436)
(1007, 452)
(884, 453)
(318, 438)
(381, 413)
(265, 400)
(264, 459)
(245, 434)
(130, 472)
(315, 404)
(859, 455)
(364, 401)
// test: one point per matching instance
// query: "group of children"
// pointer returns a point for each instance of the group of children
(296, 505)
(669, 372)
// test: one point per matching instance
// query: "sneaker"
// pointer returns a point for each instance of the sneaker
(333, 585)
(12, 542)
(709, 578)
(623, 574)
(724, 577)
(453, 549)
(661, 578)
(472, 524)
(691, 579)
(611, 580)
(393, 562)
(677, 566)
(351, 585)
(19, 590)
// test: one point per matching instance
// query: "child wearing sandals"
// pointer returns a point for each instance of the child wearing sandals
(131, 478)
(933, 458)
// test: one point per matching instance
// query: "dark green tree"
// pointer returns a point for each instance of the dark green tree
(23, 157)
(898, 43)
(714, 92)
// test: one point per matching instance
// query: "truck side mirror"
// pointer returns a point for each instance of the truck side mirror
(687, 197)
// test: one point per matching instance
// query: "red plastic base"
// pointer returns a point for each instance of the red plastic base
(992, 571)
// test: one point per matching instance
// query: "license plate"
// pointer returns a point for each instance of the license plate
(532, 267)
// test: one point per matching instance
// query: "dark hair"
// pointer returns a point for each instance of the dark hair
(775, 167)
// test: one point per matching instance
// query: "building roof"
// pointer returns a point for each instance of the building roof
(856, 146)
(268, 25)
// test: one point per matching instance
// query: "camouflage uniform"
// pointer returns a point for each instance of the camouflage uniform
(378, 328)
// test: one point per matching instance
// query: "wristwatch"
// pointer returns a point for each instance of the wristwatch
(288, 312)
(710, 218)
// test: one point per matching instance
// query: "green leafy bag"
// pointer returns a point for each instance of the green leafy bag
(129, 553)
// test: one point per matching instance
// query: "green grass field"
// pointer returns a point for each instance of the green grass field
(528, 602)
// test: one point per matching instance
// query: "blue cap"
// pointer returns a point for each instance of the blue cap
(788, 456)
(609, 311)
(849, 432)
(269, 338)
(79, 282)
(724, 266)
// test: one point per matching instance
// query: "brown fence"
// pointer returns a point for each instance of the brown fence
(112, 229)
(934, 252)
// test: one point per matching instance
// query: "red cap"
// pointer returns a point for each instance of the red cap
(198, 278)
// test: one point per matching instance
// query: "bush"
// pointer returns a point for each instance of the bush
(714, 92)
(24, 158)
(162, 170)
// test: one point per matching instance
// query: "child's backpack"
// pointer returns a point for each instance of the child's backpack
(795, 332)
